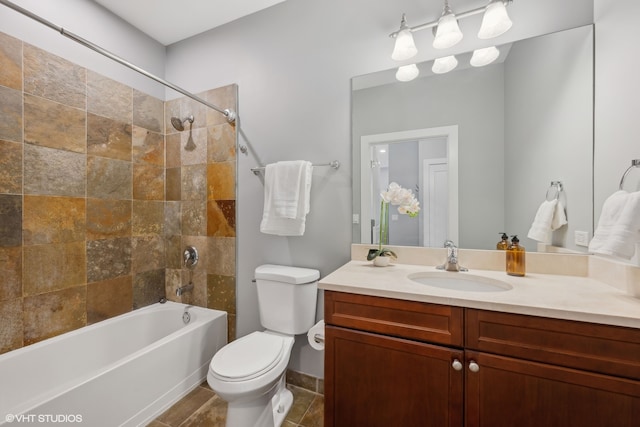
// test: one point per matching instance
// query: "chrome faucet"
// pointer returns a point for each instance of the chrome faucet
(183, 289)
(451, 264)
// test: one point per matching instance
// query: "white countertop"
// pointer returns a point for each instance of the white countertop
(556, 296)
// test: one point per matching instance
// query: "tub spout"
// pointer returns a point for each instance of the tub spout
(183, 289)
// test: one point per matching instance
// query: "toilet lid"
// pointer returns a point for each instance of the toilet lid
(248, 357)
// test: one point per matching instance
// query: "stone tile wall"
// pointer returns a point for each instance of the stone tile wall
(200, 194)
(88, 228)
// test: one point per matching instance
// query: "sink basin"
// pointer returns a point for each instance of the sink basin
(460, 282)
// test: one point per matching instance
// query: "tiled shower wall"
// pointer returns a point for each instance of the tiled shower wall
(95, 208)
(201, 200)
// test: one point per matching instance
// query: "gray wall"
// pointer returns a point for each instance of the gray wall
(293, 64)
(549, 131)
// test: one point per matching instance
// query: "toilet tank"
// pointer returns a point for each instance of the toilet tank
(287, 298)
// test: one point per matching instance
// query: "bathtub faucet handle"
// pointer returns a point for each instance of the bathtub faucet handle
(190, 256)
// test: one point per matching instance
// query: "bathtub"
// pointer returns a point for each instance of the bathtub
(124, 371)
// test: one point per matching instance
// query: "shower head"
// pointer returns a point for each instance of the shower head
(179, 124)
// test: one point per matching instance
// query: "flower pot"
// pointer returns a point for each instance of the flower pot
(381, 261)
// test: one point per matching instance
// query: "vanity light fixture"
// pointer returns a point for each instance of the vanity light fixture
(404, 47)
(486, 56)
(444, 65)
(406, 73)
(447, 32)
(495, 22)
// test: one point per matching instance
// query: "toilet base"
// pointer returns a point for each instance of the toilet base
(281, 404)
(268, 410)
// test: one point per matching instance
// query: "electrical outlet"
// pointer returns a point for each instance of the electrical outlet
(356, 219)
(581, 238)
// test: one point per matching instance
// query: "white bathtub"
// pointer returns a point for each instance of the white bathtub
(124, 371)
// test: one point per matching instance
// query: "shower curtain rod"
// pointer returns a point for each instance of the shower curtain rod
(229, 114)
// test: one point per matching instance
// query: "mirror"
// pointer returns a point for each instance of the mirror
(480, 146)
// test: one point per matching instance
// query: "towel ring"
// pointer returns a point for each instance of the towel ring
(558, 187)
(634, 164)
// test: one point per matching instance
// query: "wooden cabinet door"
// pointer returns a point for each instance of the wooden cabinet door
(507, 392)
(374, 380)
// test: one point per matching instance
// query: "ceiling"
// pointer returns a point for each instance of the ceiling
(169, 21)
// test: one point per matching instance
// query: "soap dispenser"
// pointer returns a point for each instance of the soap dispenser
(515, 258)
(504, 243)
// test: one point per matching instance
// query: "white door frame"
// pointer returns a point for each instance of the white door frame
(366, 141)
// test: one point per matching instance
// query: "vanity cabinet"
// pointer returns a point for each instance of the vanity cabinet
(395, 362)
(392, 363)
(535, 371)
(387, 381)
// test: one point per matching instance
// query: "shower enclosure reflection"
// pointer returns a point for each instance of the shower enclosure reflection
(421, 160)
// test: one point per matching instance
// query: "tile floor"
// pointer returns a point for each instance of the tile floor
(203, 408)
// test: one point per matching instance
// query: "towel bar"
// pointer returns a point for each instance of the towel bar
(634, 164)
(335, 164)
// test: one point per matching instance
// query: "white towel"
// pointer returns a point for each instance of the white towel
(618, 228)
(559, 216)
(549, 217)
(287, 190)
(285, 178)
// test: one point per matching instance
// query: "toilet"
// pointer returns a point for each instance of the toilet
(249, 373)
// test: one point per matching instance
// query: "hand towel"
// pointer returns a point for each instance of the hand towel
(547, 217)
(559, 216)
(287, 190)
(285, 187)
(618, 228)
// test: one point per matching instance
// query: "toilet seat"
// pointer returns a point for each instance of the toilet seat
(248, 357)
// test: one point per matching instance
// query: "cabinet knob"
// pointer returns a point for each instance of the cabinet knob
(457, 365)
(473, 366)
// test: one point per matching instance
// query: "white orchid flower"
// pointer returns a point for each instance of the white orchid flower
(407, 205)
(403, 198)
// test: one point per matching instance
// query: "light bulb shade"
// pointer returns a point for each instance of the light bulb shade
(495, 20)
(405, 47)
(444, 65)
(448, 32)
(407, 73)
(486, 56)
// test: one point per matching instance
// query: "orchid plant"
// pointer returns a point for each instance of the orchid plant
(407, 205)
